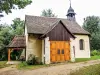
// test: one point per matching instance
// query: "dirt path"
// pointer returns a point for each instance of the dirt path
(12, 67)
(53, 70)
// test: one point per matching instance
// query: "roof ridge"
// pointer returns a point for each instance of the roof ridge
(45, 17)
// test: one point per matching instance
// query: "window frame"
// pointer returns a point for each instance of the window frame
(81, 44)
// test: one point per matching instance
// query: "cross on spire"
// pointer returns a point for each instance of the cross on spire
(70, 2)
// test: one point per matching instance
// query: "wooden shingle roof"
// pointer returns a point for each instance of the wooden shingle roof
(39, 25)
(18, 42)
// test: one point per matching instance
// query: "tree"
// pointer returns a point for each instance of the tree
(95, 42)
(92, 25)
(7, 33)
(17, 27)
(7, 5)
(48, 13)
(5, 37)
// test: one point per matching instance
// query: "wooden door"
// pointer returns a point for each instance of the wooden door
(53, 51)
(59, 51)
(58, 59)
(67, 51)
(62, 51)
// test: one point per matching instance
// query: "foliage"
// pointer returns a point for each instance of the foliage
(92, 25)
(32, 60)
(7, 5)
(6, 35)
(95, 41)
(96, 57)
(3, 64)
(95, 52)
(90, 70)
(48, 13)
(17, 27)
(5, 38)
(15, 55)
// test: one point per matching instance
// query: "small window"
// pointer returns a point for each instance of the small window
(62, 51)
(58, 51)
(81, 44)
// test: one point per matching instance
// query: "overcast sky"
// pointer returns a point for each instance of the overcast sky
(82, 8)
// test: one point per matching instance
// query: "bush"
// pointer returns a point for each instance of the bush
(41, 63)
(95, 52)
(32, 60)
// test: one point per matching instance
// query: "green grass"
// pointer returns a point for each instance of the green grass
(87, 59)
(3, 64)
(24, 66)
(90, 70)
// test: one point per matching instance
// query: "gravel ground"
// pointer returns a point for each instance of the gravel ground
(53, 70)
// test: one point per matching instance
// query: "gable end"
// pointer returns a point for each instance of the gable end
(60, 33)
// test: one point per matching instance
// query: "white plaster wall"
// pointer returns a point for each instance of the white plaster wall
(72, 55)
(47, 50)
(82, 53)
(34, 46)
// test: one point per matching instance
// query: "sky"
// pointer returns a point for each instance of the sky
(82, 8)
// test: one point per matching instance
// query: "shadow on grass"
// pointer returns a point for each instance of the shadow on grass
(90, 70)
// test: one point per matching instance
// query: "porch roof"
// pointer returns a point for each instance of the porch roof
(18, 42)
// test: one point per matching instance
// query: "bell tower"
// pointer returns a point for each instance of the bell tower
(70, 13)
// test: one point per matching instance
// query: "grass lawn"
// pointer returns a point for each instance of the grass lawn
(3, 64)
(24, 66)
(87, 59)
(90, 70)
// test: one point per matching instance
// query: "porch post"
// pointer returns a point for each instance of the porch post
(9, 51)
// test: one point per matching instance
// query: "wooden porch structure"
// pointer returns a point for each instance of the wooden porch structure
(17, 43)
